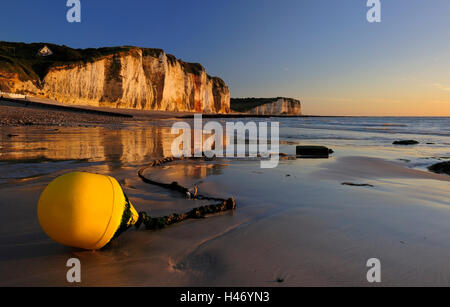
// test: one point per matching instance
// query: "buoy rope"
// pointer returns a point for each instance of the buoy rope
(153, 223)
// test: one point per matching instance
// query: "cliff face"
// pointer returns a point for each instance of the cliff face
(267, 106)
(136, 78)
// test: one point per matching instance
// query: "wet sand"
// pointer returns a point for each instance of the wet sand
(295, 223)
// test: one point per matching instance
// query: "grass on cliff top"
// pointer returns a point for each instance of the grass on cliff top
(246, 104)
(22, 58)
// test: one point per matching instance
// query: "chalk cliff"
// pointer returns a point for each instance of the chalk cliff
(121, 77)
(267, 106)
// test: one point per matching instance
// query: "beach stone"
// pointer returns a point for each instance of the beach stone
(313, 151)
(441, 168)
(358, 184)
(406, 142)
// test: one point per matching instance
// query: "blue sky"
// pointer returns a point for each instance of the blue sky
(323, 52)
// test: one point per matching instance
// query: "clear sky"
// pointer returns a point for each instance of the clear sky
(323, 52)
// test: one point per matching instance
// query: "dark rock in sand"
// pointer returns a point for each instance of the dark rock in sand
(280, 280)
(357, 184)
(441, 168)
(313, 151)
(406, 142)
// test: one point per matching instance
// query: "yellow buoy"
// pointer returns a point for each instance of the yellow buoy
(85, 210)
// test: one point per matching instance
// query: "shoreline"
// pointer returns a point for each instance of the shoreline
(36, 112)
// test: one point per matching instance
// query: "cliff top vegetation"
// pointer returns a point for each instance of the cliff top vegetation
(23, 58)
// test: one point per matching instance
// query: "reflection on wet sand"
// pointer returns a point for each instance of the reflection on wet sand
(120, 147)
(187, 172)
(30, 152)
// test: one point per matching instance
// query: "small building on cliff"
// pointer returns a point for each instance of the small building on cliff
(45, 51)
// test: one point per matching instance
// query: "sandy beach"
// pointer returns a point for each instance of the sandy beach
(295, 225)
